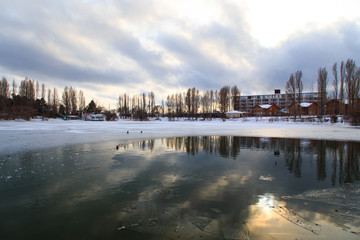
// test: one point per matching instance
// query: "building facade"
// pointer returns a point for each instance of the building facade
(335, 107)
(282, 100)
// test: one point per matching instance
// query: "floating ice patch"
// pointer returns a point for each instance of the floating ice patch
(268, 178)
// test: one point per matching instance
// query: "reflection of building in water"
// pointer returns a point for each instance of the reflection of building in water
(341, 157)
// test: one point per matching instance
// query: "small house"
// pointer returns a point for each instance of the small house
(304, 108)
(335, 107)
(97, 117)
(235, 114)
(310, 108)
(262, 110)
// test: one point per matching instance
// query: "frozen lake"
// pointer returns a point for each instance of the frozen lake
(183, 188)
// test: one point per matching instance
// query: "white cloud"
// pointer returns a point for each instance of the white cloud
(273, 22)
(169, 46)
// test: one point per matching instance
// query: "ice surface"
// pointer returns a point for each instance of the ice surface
(267, 178)
(32, 135)
(342, 205)
(297, 219)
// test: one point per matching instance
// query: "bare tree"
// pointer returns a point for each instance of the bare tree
(31, 90)
(49, 97)
(43, 91)
(81, 101)
(352, 81)
(212, 100)
(342, 82)
(290, 90)
(299, 85)
(143, 107)
(195, 101)
(322, 84)
(235, 93)
(151, 104)
(335, 81)
(299, 88)
(73, 100)
(224, 99)
(205, 102)
(4, 88)
(179, 104)
(37, 92)
(55, 101)
(66, 100)
(27, 89)
(170, 105)
(188, 101)
(14, 86)
(163, 107)
(124, 105)
(216, 100)
(23, 88)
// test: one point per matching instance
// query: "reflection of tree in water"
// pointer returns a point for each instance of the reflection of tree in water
(342, 157)
(224, 148)
(292, 156)
(235, 150)
(147, 145)
(334, 151)
(321, 160)
(192, 145)
(345, 161)
(351, 164)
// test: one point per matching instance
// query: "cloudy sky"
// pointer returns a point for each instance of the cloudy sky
(109, 47)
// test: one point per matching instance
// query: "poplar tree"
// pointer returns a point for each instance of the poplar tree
(66, 100)
(290, 90)
(4, 88)
(335, 81)
(224, 99)
(235, 93)
(322, 84)
(299, 88)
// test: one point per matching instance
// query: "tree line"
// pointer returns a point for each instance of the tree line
(345, 83)
(31, 99)
(191, 104)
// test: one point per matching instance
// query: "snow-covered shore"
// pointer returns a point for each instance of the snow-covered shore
(19, 136)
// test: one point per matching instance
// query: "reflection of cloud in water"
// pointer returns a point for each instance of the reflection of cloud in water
(338, 205)
(267, 201)
(216, 188)
(207, 187)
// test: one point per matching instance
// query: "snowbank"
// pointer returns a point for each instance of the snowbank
(36, 134)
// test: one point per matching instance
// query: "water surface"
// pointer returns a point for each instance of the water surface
(183, 188)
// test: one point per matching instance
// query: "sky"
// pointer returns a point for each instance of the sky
(109, 47)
